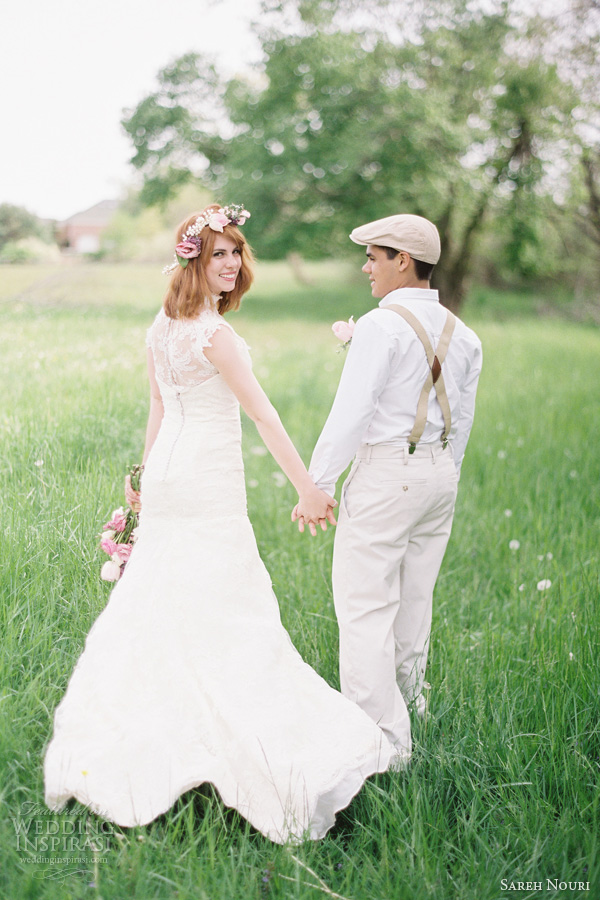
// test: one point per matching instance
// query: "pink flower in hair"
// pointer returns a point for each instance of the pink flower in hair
(189, 248)
(218, 221)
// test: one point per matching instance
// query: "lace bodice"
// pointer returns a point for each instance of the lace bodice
(178, 347)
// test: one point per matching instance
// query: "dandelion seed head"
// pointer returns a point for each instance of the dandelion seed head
(521, 587)
(549, 555)
(544, 584)
(571, 657)
(573, 473)
(279, 479)
(259, 450)
(514, 544)
(508, 513)
(501, 454)
(39, 462)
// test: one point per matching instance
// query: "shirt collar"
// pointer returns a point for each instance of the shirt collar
(409, 293)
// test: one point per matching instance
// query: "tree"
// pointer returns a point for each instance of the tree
(569, 36)
(344, 125)
(16, 223)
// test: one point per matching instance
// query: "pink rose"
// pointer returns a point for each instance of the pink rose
(188, 249)
(217, 221)
(118, 521)
(109, 546)
(110, 571)
(241, 219)
(344, 330)
(123, 552)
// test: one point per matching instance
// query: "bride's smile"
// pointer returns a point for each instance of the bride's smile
(224, 265)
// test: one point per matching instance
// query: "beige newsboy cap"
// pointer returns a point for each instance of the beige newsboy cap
(413, 234)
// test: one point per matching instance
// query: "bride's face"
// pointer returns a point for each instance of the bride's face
(224, 265)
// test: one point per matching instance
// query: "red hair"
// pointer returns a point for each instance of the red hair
(188, 290)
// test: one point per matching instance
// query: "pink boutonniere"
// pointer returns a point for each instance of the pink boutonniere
(344, 331)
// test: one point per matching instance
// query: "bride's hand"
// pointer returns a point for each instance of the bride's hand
(314, 507)
(132, 497)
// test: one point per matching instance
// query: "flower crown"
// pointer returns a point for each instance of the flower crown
(191, 244)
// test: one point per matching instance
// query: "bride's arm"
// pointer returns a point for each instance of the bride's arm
(238, 374)
(155, 418)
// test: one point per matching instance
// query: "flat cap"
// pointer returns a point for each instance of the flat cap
(413, 234)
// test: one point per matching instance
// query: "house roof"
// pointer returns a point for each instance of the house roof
(100, 214)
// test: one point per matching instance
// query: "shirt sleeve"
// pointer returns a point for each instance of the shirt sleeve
(467, 410)
(364, 376)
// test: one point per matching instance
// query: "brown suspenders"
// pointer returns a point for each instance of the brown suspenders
(435, 358)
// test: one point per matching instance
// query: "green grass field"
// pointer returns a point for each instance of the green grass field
(503, 787)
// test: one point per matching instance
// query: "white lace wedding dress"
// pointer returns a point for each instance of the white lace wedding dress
(188, 675)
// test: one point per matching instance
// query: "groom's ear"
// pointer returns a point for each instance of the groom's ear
(403, 261)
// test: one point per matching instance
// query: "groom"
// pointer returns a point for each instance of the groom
(404, 409)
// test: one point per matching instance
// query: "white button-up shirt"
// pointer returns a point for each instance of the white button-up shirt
(384, 373)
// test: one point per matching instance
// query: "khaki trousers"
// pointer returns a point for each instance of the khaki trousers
(393, 527)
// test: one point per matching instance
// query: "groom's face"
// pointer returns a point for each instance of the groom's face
(384, 274)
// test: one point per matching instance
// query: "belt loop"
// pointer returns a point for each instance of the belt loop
(405, 455)
(369, 452)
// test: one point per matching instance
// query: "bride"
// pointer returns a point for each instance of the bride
(188, 675)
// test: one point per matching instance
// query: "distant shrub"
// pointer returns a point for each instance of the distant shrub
(14, 252)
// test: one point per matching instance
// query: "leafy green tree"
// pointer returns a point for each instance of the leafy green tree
(16, 223)
(344, 125)
(570, 36)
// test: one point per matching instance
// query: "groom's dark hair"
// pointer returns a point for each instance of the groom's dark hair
(423, 270)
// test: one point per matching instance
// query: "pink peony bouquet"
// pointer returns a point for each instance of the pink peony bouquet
(344, 331)
(120, 534)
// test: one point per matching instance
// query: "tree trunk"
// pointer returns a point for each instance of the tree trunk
(450, 275)
(592, 181)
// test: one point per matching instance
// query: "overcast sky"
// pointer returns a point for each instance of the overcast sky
(69, 68)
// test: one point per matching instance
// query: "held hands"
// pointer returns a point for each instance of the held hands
(132, 497)
(314, 507)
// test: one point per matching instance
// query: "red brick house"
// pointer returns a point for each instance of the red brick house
(81, 233)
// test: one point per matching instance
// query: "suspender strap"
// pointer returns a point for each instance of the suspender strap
(435, 358)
